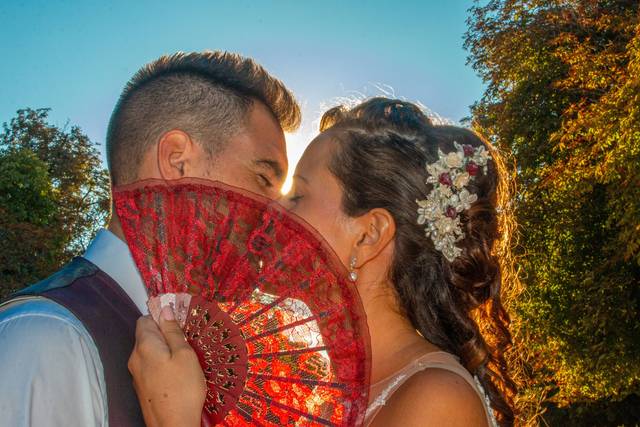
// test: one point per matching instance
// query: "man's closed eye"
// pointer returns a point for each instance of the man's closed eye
(264, 181)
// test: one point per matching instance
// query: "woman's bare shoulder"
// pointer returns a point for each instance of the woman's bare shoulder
(433, 397)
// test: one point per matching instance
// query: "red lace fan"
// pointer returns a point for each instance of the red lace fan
(279, 331)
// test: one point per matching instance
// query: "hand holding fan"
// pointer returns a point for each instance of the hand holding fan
(279, 330)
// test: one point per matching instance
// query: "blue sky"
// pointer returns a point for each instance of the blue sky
(75, 56)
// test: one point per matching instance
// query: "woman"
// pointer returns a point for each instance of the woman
(411, 208)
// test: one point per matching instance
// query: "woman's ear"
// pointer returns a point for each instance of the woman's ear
(377, 230)
(174, 151)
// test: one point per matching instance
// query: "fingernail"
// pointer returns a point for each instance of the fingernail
(167, 313)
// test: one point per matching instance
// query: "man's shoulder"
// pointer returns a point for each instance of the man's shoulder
(48, 361)
(39, 318)
(76, 269)
(36, 330)
(28, 306)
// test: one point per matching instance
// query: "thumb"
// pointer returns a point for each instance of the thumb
(171, 330)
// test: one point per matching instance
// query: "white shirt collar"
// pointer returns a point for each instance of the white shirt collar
(111, 255)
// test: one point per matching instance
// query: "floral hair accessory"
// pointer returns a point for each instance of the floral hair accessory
(450, 175)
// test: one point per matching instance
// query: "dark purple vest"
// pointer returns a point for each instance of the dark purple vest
(110, 317)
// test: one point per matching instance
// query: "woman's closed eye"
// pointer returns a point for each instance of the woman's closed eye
(295, 198)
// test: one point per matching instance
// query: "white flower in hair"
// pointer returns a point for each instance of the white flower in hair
(435, 170)
(454, 159)
(462, 180)
(466, 199)
(450, 175)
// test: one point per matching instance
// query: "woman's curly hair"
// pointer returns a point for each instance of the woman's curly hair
(383, 147)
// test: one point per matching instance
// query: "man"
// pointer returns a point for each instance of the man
(65, 341)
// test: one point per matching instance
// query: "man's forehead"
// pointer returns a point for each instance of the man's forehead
(264, 126)
(268, 148)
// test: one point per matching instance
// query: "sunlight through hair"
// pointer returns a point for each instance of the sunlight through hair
(298, 141)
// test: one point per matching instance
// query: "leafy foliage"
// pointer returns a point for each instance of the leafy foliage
(563, 95)
(54, 196)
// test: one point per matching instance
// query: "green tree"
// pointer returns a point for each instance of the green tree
(563, 95)
(54, 196)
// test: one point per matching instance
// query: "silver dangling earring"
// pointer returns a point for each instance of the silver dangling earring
(353, 274)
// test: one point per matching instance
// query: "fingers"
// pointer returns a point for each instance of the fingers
(150, 346)
(172, 332)
(166, 373)
(146, 328)
(149, 338)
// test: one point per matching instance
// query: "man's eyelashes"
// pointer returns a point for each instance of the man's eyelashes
(264, 181)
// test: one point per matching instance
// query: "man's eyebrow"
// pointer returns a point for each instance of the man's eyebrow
(271, 164)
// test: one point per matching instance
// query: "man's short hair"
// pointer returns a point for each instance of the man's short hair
(208, 95)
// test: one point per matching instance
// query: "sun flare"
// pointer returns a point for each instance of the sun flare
(296, 144)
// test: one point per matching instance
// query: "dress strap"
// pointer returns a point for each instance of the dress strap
(382, 390)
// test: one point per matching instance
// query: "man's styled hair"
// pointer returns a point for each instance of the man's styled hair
(207, 94)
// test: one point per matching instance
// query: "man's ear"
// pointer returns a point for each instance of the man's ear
(377, 229)
(174, 152)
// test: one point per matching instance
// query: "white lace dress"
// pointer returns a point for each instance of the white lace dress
(381, 391)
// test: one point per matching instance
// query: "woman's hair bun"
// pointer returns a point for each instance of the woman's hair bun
(379, 113)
